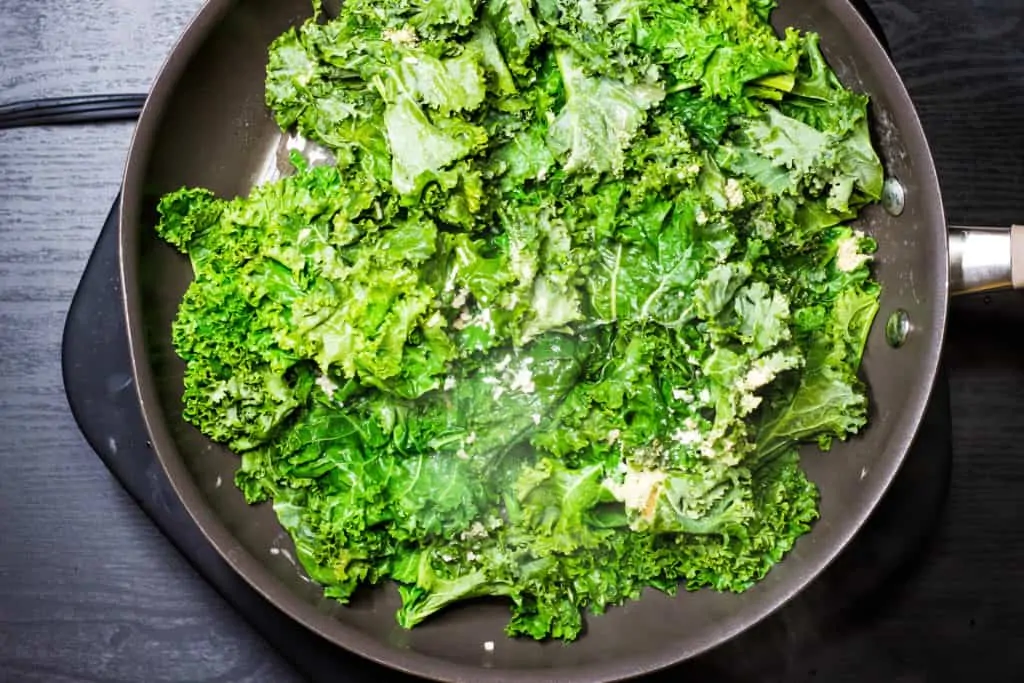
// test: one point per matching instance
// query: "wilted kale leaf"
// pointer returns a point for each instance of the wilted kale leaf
(554, 325)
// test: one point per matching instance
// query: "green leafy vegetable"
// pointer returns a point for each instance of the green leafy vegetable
(555, 322)
(600, 118)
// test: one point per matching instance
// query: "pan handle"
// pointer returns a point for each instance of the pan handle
(985, 259)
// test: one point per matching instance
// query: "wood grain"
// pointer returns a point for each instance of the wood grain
(89, 590)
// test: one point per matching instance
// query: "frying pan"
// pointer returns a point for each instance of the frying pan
(205, 124)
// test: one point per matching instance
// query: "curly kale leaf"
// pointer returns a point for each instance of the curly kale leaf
(554, 319)
(600, 117)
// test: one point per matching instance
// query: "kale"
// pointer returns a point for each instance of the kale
(555, 323)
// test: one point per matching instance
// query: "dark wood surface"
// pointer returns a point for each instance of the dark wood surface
(90, 591)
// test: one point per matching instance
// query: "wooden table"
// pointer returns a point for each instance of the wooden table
(90, 591)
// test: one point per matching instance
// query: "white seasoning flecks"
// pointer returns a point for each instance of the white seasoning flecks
(402, 36)
(733, 193)
(686, 437)
(327, 385)
(475, 530)
(848, 256)
(523, 381)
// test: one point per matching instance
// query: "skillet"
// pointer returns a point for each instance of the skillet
(205, 124)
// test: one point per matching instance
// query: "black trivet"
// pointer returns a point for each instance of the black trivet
(98, 381)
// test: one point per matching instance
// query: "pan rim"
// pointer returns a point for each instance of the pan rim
(350, 638)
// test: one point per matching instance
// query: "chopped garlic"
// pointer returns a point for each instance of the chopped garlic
(848, 257)
(401, 36)
(639, 491)
(523, 381)
(476, 530)
(460, 299)
(749, 403)
(686, 437)
(327, 385)
(757, 377)
(733, 193)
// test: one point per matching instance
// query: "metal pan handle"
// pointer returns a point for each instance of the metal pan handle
(985, 259)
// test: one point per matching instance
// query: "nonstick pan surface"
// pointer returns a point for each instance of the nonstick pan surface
(205, 124)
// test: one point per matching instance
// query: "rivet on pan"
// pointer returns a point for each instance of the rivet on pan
(894, 196)
(897, 328)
